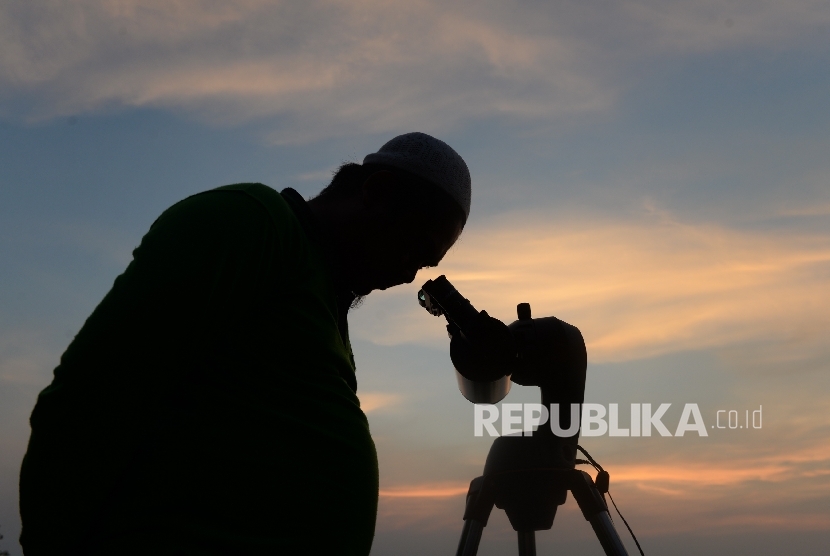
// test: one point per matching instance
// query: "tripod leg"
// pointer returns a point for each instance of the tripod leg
(465, 534)
(607, 534)
(527, 543)
(470, 538)
(476, 514)
(595, 511)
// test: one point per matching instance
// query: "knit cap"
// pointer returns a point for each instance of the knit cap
(428, 158)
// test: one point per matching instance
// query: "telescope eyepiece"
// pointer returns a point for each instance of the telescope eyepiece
(439, 297)
(425, 301)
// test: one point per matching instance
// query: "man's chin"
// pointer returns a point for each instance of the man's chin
(380, 285)
(392, 283)
(361, 291)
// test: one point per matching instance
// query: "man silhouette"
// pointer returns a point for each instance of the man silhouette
(208, 405)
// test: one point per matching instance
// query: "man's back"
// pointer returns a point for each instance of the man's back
(207, 405)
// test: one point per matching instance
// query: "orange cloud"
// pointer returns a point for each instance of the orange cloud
(636, 289)
(328, 67)
(336, 65)
(372, 401)
(441, 490)
(771, 492)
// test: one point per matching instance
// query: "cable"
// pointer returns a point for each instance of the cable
(633, 536)
(598, 467)
(591, 460)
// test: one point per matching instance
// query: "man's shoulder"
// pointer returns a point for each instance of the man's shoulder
(259, 191)
(237, 202)
(267, 197)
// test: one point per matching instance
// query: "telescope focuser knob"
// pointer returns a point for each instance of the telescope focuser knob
(523, 311)
(603, 481)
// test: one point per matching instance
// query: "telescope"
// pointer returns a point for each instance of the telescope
(526, 476)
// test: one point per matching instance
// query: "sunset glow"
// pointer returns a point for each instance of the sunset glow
(653, 173)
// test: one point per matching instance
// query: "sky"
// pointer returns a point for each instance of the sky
(654, 173)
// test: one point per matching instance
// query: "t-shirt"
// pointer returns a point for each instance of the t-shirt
(208, 405)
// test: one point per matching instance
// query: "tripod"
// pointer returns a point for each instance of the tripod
(529, 477)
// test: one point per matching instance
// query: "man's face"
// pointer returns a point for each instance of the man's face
(396, 244)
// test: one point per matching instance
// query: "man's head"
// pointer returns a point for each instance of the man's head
(398, 212)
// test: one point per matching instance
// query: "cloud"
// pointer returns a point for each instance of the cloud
(317, 65)
(329, 67)
(373, 401)
(442, 490)
(817, 210)
(780, 492)
(745, 490)
(683, 478)
(636, 288)
(708, 25)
